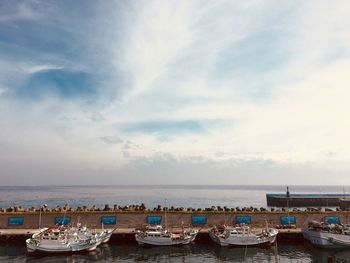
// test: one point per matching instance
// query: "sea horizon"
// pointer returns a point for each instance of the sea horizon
(197, 196)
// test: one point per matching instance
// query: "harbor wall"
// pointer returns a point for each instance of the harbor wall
(127, 220)
(305, 200)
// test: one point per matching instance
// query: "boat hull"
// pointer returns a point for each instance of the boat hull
(326, 239)
(59, 248)
(162, 241)
(105, 237)
(243, 240)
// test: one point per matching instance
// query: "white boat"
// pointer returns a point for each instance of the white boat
(60, 240)
(158, 236)
(83, 233)
(105, 235)
(100, 237)
(242, 236)
(327, 235)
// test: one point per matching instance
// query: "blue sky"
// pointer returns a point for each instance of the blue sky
(174, 92)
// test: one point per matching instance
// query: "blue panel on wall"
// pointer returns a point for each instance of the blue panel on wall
(199, 219)
(243, 219)
(108, 220)
(287, 220)
(154, 220)
(332, 219)
(15, 221)
(62, 220)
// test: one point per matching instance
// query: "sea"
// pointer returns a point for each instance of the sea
(194, 196)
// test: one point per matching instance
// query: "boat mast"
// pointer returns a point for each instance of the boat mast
(165, 220)
(64, 216)
(346, 208)
(39, 217)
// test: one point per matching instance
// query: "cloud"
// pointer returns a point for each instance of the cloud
(165, 169)
(128, 145)
(188, 91)
(159, 32)
(97, 116)
(111, 139)
(20, 11)
(33, 69)
(2, 90)
(169, 127)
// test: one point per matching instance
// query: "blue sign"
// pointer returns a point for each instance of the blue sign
(154, 220)
(243, 219)
(287, 220)
(332, 219)
(62, 220)
(199, 220)
(15, 221)
(108, 220)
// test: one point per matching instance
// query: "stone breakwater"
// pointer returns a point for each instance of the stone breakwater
(159, 208)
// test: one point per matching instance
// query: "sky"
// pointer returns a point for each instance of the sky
(174, 92)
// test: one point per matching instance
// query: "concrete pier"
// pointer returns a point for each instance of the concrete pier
(128, 222)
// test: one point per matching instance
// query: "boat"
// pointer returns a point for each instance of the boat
(105, 235)
(327, 235)
(83, 232)
(60, 239)
(156, 235)
(100, 237)
(242, 236)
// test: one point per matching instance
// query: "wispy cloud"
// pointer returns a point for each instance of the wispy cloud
(168, 127)
(20, 11)
(111, 139)
(189, 86)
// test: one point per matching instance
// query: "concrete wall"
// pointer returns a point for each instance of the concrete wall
(298, 201)
(174, 219)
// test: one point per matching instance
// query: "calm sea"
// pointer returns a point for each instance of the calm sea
(190, 253)
(181, 196)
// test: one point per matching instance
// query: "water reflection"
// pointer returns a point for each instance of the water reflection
(342, 256)
(191, 253)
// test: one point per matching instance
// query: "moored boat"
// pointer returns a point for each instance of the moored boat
(158, 236)
(242, 236)
(327, 235)
(60, 240)
(105, 235)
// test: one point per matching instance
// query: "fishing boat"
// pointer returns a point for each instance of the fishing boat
(100, 237)
(327, 235)
(83, 233)
(242, 236)
(156, 235)
(105, 235)
(60, 239)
